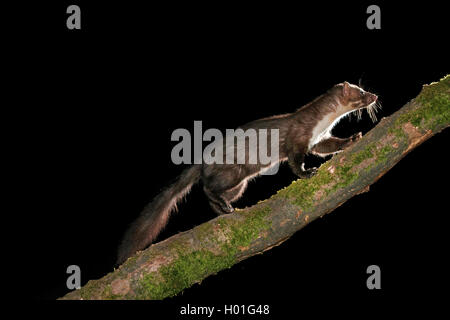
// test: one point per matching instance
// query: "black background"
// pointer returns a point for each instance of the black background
(100, 104)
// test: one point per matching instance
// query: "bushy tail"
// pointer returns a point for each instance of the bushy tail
(155, 216)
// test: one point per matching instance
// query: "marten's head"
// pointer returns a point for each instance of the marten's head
(354, 99)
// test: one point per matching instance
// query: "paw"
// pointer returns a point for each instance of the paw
(220, 209)
(356, 137)
(227, 208)
(351, 140)
(308, 173)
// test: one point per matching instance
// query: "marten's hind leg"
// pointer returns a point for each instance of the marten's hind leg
(220, 202)
(217, 208)
(233, 194)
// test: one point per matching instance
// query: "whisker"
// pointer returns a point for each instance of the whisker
(378, 104)
(371, 110)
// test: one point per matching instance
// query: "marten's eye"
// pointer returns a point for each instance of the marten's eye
(361, 93)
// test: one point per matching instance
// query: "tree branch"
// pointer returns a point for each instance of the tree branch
(168, 267)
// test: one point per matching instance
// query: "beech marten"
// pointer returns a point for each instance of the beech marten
(307, 130)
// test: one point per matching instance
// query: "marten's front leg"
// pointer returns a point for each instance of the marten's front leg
(333, 145)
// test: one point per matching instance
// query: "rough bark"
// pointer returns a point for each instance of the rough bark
(168, 267)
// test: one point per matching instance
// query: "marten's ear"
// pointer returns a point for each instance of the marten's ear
(345, 88)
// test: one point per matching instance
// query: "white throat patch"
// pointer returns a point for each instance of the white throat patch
(323, 128)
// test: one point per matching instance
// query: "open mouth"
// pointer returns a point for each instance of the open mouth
(371, 109)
